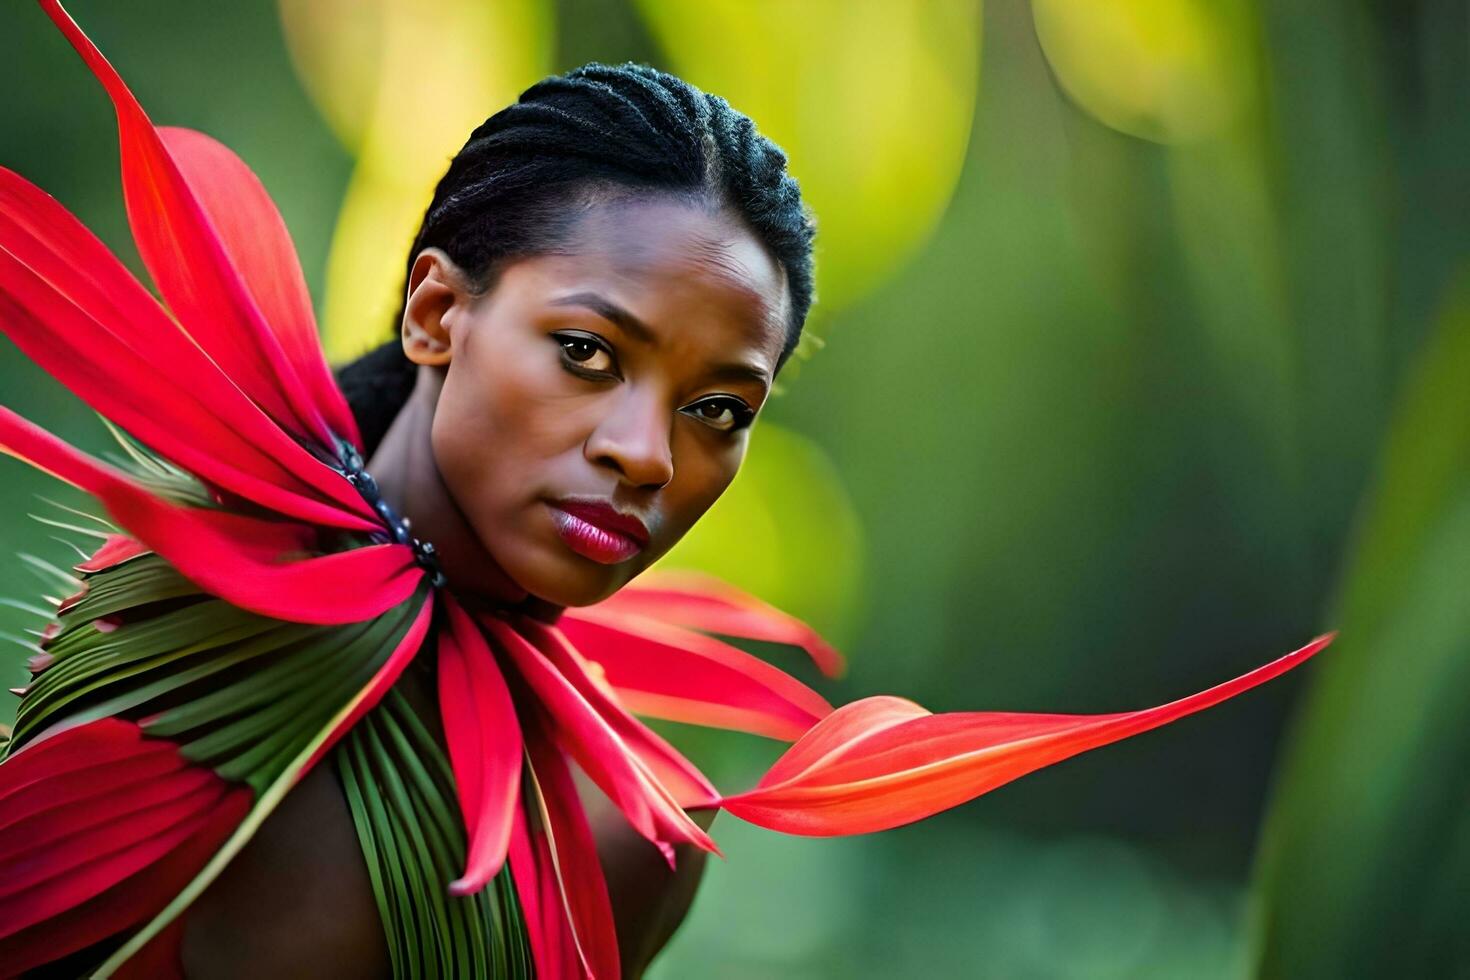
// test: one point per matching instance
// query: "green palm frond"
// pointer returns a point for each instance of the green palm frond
(239, 692)
(157, 474)
(401, 792)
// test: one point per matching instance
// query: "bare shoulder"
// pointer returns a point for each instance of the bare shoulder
(649, 899)
(297, 901)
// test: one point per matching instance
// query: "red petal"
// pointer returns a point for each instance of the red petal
(367, 699)
(117, 549)
(260, 248)
(107, 753)
(56, 821)
(553, 944)
(485, 745)
(687, 784)
(131, 901)
(189, 262)
(95, 818)
(69, 305)
(38, 883)
(228, 555)
(667, 672)
(598, 748)
(558, 875)
(883, 762)
(706, 603)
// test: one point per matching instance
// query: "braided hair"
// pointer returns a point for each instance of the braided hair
(518, 186)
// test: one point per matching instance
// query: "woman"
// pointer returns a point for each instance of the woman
(297, 719)
(606, 282)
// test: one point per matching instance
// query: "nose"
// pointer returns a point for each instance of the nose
(633, 438)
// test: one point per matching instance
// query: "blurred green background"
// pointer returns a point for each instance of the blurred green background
(1146, 357)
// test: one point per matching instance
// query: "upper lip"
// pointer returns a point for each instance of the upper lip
(599, 512)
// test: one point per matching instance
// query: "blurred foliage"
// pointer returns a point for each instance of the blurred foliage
(871, 100)
(1166, 70)
(1148, 338)
(1366, 865)
(401, 86)
(786, 531)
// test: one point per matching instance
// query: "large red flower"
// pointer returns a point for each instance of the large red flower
(113, 818)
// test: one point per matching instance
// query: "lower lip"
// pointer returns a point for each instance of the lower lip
(591, 541)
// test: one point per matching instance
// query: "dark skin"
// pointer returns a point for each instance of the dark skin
(626, 369)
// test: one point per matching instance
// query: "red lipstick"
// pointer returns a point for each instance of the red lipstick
(595, 529)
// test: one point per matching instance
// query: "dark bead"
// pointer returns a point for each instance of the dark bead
(351, 461)
(400, 532)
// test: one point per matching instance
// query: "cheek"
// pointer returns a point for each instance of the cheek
(702, 472)
(502, 415)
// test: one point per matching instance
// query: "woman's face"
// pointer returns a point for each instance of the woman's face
(597, 403)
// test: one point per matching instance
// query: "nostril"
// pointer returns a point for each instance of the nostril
(634, 438)
(649, 467)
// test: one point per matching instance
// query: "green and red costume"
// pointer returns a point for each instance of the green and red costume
(251, 602)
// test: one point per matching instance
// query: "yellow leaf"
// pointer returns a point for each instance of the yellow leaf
(1164, 70)
(872, 100)
(403, 85)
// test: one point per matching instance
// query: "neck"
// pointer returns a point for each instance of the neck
(409, 480)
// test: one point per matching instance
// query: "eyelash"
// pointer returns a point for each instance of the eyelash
(563, 340)
(742, 415)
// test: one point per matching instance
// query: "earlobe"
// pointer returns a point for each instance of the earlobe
(433, 292)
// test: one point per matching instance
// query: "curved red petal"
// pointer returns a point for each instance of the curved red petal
(71, 306)
(688, 785)
(598, 748)
(485, 748)
(117, 549)
(706, 603)
(558, 875)
(538, 890)
(57, 821)
(255, 238)
(883, 762)
(240, 559)
(664, 671)
(188, 261)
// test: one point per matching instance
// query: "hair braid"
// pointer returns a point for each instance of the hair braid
(516, 187)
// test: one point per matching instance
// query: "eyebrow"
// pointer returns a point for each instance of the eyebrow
(612, 313)
(740, 372)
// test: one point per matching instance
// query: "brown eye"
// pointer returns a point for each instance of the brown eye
(585, 354)
(722, 412)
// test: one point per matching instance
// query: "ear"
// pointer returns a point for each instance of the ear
(436, 285)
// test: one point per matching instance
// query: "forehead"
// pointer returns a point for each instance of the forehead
(676, 265)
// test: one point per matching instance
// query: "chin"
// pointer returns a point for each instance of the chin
(570, 580)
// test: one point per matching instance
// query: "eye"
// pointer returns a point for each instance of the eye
(586, 354)
(724, 412)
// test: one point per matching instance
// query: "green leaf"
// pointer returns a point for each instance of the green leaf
(277, 763)
(1365, 847)
(401, 793)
